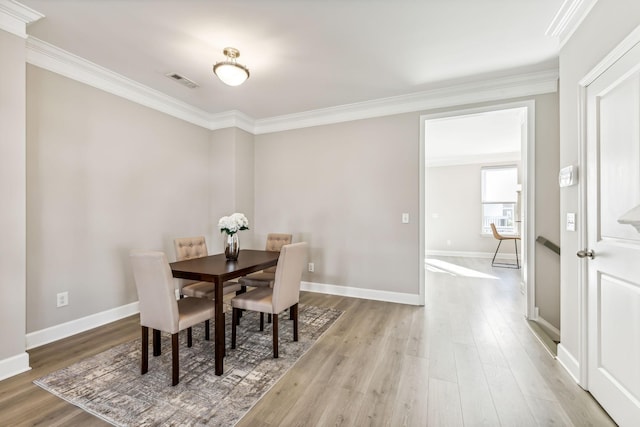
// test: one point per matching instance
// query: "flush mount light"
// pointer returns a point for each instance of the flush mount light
(229, 71)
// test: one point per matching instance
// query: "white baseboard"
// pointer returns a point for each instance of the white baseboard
(507, 256)
(568, 362)
(555, 332)
(372, 294)
(14, 365)
(64, 330)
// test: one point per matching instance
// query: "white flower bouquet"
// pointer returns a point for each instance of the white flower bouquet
(233, 223)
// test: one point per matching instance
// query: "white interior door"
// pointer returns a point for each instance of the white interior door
(613, 189)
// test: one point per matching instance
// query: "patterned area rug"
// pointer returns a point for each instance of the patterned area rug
(109, 385)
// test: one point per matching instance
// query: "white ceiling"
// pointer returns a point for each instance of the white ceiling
(303, 55)
(473, 138)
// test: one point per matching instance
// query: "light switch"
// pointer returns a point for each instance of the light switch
(405, 218)
(571, 221)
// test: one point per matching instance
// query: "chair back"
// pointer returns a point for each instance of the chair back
(286, 287)
(154, 282)
(190, 247)
(275, 241)
(495, 232)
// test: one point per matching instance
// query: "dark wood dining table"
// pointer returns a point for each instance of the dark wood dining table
(216, 269)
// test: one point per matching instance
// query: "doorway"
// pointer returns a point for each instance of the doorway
(477, 150)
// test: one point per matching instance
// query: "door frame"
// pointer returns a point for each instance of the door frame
(582, 371)
(527, 160)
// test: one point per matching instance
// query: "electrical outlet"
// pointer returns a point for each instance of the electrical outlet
(62, 299)
(311, 267)
(405, 218)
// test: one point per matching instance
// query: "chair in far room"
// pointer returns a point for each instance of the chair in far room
(500, 239)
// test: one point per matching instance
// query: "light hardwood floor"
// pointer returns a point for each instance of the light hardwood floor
(467, 358)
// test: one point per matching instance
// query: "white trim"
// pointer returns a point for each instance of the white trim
(14, 365)
(550, 327)
(370, 294)
(434, 162)
(232, 119)
(618, 52)
(528, 189)
(52, 58)
(568, 19)
(14, 17)
(569, 363)
(581, 373)
(485, 91)
(64, 330)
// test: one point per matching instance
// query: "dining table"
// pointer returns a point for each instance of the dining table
(218, 269)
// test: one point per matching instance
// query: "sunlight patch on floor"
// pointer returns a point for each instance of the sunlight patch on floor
(440, 266)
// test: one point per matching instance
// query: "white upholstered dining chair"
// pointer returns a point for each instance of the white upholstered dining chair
(284, 294)
(159, 308)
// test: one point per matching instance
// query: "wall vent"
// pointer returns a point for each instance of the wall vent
(183, 80)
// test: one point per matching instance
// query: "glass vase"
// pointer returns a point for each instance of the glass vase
(231, 247)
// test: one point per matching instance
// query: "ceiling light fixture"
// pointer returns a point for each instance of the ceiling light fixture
(229, 71)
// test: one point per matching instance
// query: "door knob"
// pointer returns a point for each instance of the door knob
(585, 254)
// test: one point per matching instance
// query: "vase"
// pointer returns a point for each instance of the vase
(231, 247)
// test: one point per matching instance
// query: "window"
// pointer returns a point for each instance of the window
(499, 197)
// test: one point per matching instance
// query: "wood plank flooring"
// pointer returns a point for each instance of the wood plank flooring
(466, 359)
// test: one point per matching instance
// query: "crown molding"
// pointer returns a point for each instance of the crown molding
(469, 93)
(52, 58)
(233, 118)
(14, 17)
(475, 159)
(568, 19)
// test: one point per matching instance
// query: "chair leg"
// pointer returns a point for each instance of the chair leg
(493, 261)
(207, 324)
(175, 368)
(234, 321)
(275, 336)
(261, 322)
(515, 241)
(293, 312)
(269, 318)
(156, 343)
(290, 314)
(189, 337)
(144, 362)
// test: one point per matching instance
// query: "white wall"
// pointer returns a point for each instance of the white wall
(608, 23)
(12, 214)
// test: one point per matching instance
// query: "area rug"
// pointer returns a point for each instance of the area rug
(109, 384)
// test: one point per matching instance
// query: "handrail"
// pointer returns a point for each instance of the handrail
(555, 248)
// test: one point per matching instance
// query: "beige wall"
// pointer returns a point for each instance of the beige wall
(105, 176)
(12, 194)
(608, 23)
(231, 168)
(343, 189)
